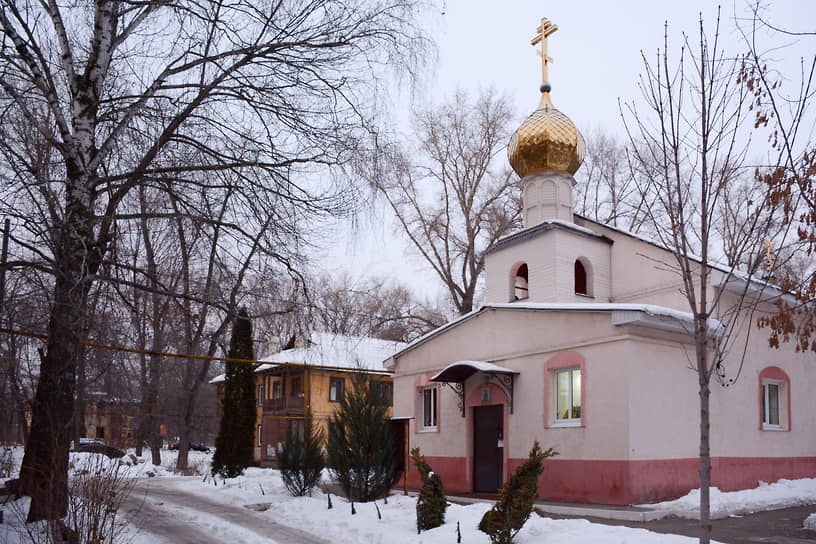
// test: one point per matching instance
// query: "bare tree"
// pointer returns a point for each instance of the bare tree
(372, 307)
(790, 171)
(449, 195)
(691, 138)
(743, 205)
(125, 94)
(23, 309)
(608, 190)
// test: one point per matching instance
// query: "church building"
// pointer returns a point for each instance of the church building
(585, 344)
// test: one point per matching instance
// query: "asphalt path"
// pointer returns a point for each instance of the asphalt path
(783, 526)
(162, 509)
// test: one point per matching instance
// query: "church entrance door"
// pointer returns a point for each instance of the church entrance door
(488, 448)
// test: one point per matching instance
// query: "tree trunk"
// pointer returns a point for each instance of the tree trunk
(153, 436)
(182, 463)
(44, 471)
(705, 444)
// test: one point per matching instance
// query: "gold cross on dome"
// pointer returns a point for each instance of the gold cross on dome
(544, 31)
(768, 245)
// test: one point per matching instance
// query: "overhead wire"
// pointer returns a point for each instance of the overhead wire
(189, 356)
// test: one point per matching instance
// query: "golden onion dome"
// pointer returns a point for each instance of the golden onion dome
(547, 141)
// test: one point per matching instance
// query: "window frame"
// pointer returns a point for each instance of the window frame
(276, 390)
(519, 282)
(572, 420)
(384, 392)
(580, 278)
(587, 280)
(774, 376)
(565, 360)
(766, 405)
(297, 429)
(260, 437)
(342, 390)
(434, 409)
(260, 394)
(296, 392)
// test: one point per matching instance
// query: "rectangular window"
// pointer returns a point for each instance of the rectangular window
(297, 390)
(260, 394)
(276, 390)
(383, 393)
(429, 409)
(259, 435)
(387, 395)
(568, 395)
(335, 389)
(770, 406)
(297, 429)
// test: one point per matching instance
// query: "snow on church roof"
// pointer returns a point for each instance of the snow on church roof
(334, 350)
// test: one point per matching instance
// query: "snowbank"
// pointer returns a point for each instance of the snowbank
(264, 488)
(782, 494)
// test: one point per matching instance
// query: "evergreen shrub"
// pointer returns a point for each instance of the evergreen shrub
(301, 460)
(235, 441)
(431, 503)
(360, 450)
(516, 497)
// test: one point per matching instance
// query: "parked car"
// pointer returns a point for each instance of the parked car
(85, 440)
(192, 445)
(99, 447)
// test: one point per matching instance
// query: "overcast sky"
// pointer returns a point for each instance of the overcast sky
(596, 51)
(596, 61)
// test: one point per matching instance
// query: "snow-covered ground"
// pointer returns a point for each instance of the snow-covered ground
(781, 494)
(264, 488)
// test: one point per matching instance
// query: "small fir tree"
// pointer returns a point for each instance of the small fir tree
(431, 503)
(235, 440)
(301, 460)
(361, 447)
(503, 522)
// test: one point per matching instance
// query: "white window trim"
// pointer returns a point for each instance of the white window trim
(780, 396)
(566, 422)
(434, 410)
(259, 435)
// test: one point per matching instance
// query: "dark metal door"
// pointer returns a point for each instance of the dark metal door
(488, 448)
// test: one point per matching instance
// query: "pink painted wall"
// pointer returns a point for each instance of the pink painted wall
(639, 431)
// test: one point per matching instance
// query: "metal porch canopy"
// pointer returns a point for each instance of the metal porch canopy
(455, 374)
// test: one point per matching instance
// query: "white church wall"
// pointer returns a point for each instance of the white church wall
(499, 266)
(570, 247)
(549, 279)
(662, 403)
(639, 271)
(736, 409)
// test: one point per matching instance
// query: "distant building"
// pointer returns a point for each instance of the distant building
(314, 376)
(110, 420)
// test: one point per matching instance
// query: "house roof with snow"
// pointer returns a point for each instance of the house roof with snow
(334, 352)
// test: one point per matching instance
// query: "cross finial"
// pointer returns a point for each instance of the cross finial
(543, 32)
(768, 245)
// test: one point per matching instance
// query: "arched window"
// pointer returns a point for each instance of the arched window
(581, 283)
(774, 400)
(520, 283)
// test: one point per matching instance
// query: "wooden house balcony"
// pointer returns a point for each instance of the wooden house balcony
(288, 404)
